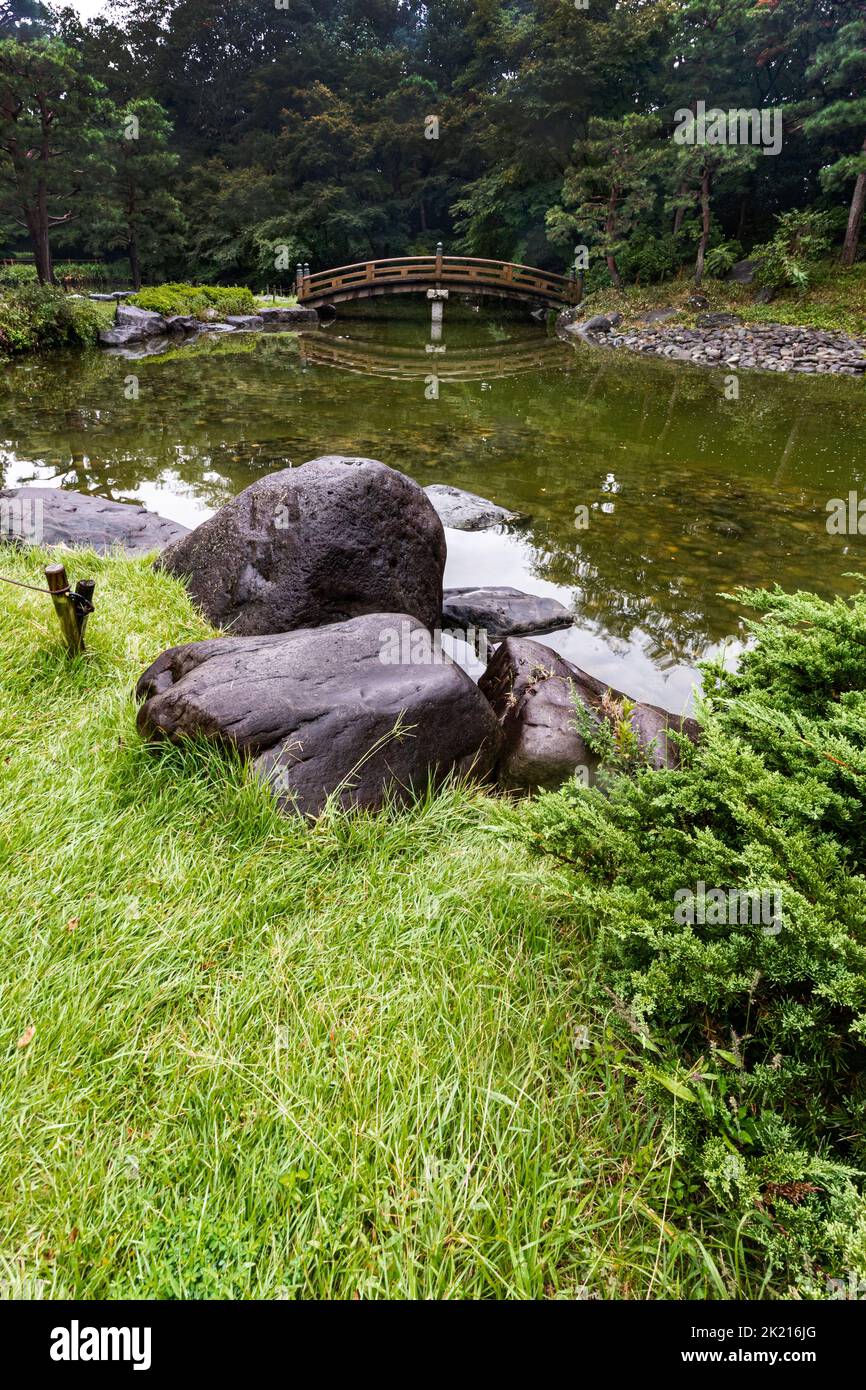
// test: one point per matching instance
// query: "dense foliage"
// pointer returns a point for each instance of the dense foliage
(227, 141)
(764, 1027)
(42, 316)
(201, 300)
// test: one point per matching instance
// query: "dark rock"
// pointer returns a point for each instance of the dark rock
(102, 298)
(315, 711)
(538, 695)
(599, 323)
(300, 315)
(503, 612)
(249, 322)
(721, 320)
(765, 295)
(653, 727)
(659, 315)
(132, 325)
(697, 300)
(743, 272)
(182, 323)
(217, 326)
(71, 518)
(465, 511)
(533, 693)
(330, 540)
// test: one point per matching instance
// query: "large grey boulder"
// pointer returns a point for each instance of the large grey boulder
(503, 611)
(546, 705)
(327, 541)
(466, 511)
(132, 325)
(53, 516)
(327, 709)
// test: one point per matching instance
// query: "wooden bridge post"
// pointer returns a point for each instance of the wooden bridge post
(299, 279)
(305, 281)
(438, 271)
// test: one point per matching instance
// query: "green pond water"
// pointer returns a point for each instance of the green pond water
(689, 494)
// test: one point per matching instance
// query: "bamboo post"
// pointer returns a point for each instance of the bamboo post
(72, 609)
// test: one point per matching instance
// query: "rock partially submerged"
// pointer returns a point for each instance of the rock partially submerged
(298, 315)
(466, 511)
(53, 516)
(132, 325)
(250, 323)
(319, 711)
(328, 541)
(547, 706)
(503, 611)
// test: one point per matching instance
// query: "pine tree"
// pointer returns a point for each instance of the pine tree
(609, 188)
(52, 140)
(840, 67)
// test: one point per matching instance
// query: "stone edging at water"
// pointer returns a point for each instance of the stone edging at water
(722, 340)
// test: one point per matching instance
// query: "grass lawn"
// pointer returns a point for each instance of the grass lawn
(247, 1057)
(836, 300)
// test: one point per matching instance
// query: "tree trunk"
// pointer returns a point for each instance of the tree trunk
(134, 262)
(612, 266)
(37, 227)
(681, 211)
(706, 218)
(855, 220)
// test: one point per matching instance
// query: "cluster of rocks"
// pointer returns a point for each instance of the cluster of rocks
(310, 570)
(151, 332)
(722, 340)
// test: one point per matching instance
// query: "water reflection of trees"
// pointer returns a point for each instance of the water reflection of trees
(707, 493)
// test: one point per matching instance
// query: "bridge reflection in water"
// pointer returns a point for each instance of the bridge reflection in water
(399, 363)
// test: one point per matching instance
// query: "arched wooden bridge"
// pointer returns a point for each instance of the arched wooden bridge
(418, 274)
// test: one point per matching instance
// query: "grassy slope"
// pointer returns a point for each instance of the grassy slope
(273, 1060)
(836, 300)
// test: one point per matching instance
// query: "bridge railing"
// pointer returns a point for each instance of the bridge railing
(467, 272)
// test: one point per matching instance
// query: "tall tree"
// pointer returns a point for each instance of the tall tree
(611, 186)
(53, 130)
(141, 212)
(840, 66)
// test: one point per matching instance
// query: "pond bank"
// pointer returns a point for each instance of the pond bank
(723, 340)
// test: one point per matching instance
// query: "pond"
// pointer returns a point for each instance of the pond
(687, 493)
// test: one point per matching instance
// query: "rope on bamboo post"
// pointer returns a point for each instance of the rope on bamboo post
(72, 608)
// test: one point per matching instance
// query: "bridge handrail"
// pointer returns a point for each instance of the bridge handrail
(428, 262)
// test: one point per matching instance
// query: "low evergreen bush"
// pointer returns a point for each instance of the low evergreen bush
(176, 298)
(755, 1033)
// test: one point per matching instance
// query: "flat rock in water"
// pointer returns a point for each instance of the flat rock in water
(250, 322)
(537, 696)
(52, 516)
(503, 612)
(315, 710)
(301, 315)
(465, 511)
(330, 540)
